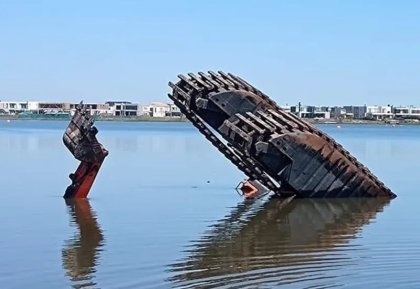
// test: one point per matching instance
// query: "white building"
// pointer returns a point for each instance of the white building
(310, 111)
(286, 108)
(379, 112)
(33, 105)
(174, 110)
(94, 108)
(144, 110)
(2, 106)
(13, 107)
(411, 111)
(159, 109)
(123, 108)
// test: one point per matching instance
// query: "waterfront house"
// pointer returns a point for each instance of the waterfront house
(14, 107)
(174, 110)
(379, 112)
(356, 112)
(159, 109)
(123, 108)
(407, 112)
(310, 111)
(94, 108)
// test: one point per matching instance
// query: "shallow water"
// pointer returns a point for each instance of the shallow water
(163, 213)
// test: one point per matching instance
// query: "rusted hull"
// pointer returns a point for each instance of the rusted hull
(82, 180)
(284, 153)
(80, 139)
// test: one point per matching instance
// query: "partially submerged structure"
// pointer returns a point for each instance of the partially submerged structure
(271, 146)
(80, 139)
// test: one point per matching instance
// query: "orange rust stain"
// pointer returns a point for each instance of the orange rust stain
(84, 177)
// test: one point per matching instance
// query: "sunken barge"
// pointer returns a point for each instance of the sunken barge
(287, 155)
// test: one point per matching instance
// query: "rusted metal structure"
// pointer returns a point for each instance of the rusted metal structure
(271, 146)
(80, 139)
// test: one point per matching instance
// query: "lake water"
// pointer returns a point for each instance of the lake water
(163, 213)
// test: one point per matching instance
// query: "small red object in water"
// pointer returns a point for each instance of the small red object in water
(248, 190)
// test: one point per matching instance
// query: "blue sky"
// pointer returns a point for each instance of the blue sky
(316, 52)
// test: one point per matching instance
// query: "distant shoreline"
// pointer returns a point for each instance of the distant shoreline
(361, 121)
(183, 119)
(99, 118)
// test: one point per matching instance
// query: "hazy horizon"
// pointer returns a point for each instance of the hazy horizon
(322, 53)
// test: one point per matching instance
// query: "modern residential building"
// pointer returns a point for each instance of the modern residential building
(286, 107)
(379, 112)
(32, 106)
(94, 108)
(159, 109)
(174, 110)
(357, 112)
(310, 111)
(13, 107)
(408, 112)
(337, 112)
(123, 108)
(145, 110)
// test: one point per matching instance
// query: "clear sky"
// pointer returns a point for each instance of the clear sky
(316, 52)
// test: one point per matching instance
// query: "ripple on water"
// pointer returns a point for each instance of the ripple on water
(302, 244)
(80, 253)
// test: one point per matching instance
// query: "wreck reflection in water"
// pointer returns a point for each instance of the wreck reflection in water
(303, 243)
(80, 253)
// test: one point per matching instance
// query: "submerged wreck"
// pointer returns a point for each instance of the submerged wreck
(284, 153)
(80, 139)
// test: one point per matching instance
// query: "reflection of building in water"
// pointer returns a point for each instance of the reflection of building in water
(80, 253)
(275, 243)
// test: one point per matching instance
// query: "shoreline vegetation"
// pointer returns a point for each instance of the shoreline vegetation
(66, 117)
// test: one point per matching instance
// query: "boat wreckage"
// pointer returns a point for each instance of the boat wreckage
(274, 148)
(80, 139)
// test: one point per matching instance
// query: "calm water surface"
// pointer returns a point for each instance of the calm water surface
(163, 213)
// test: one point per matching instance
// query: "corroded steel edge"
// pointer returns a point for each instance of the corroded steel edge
(206, 83)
